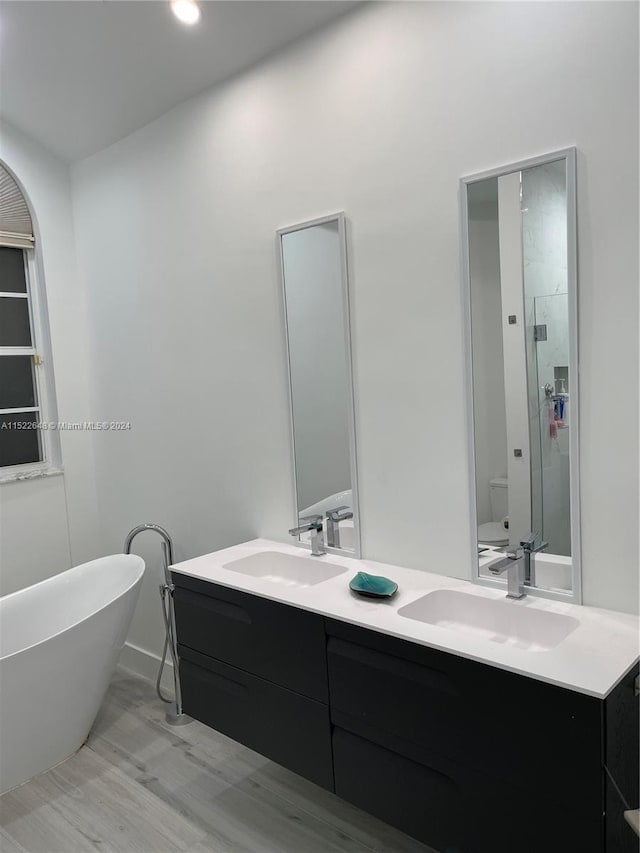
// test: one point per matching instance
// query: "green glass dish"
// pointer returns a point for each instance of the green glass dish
(373, 586)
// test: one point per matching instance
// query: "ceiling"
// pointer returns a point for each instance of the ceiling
(77, 76)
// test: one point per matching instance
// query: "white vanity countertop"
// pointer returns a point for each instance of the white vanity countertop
(591, 660)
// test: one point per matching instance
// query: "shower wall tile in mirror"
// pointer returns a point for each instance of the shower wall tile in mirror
(316, 302)
(520, 248)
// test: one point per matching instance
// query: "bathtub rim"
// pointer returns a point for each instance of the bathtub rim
(91, 614)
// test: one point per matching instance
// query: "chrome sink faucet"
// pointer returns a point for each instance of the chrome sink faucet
(312, 524)
(530, 549)
(334, 517)
(519, 564)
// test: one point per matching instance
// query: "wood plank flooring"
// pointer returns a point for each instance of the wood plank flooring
(141, 786)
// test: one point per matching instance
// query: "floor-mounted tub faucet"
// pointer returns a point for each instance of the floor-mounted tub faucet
(312, 524)
(175, 716)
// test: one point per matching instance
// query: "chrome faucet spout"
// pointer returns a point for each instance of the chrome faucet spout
(530, 548)
(334, 517)
(312, 524)
(513, 565)
(519, 564)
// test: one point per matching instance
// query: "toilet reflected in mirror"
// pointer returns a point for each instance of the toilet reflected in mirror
(495, 533)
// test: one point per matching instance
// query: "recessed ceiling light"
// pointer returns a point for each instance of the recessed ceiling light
(186, 11)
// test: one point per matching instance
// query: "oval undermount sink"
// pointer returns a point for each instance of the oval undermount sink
(498, 620)
(286, 569)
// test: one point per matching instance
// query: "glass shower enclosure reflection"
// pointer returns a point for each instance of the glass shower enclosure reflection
(550, 456)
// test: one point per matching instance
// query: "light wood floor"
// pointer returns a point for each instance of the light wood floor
(140, 786)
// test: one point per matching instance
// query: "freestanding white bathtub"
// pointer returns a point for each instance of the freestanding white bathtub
(59, 644)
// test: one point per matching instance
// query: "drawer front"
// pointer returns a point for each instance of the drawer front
(282, 644)
(421, 801)
(449, 807)
(512, 728)
(281, 725)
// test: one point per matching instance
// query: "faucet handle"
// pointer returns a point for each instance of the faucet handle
(529, 541)
(529, 544)
(312, 524)
(515, 553)
(339, 514)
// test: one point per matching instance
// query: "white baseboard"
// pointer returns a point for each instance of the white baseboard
(144, 663)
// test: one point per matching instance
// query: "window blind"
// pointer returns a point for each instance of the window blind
(15, 220)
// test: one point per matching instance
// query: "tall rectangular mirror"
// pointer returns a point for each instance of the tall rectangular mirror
(318, 333)
(519, 260)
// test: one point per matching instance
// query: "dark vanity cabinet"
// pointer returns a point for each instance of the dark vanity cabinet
(256, 671)
(463, 756)
(622, 777)
(476, 756)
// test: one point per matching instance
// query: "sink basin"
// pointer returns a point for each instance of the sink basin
(500, 621)
(286, 569)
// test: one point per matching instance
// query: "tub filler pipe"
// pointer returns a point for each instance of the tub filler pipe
(175, 715)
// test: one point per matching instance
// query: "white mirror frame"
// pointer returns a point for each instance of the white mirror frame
(569, 156)
(347, 302)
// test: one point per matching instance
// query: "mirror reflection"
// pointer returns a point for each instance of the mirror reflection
(317, 325)
(523, 398)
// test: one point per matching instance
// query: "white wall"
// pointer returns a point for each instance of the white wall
(34, 536)
(46, 525)
(379, 116)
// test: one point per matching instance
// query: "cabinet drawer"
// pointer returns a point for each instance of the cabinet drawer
(282, 644)
(515, 729)
(281, 725)
(450, 807)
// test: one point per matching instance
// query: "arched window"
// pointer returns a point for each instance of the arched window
(26, 397)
